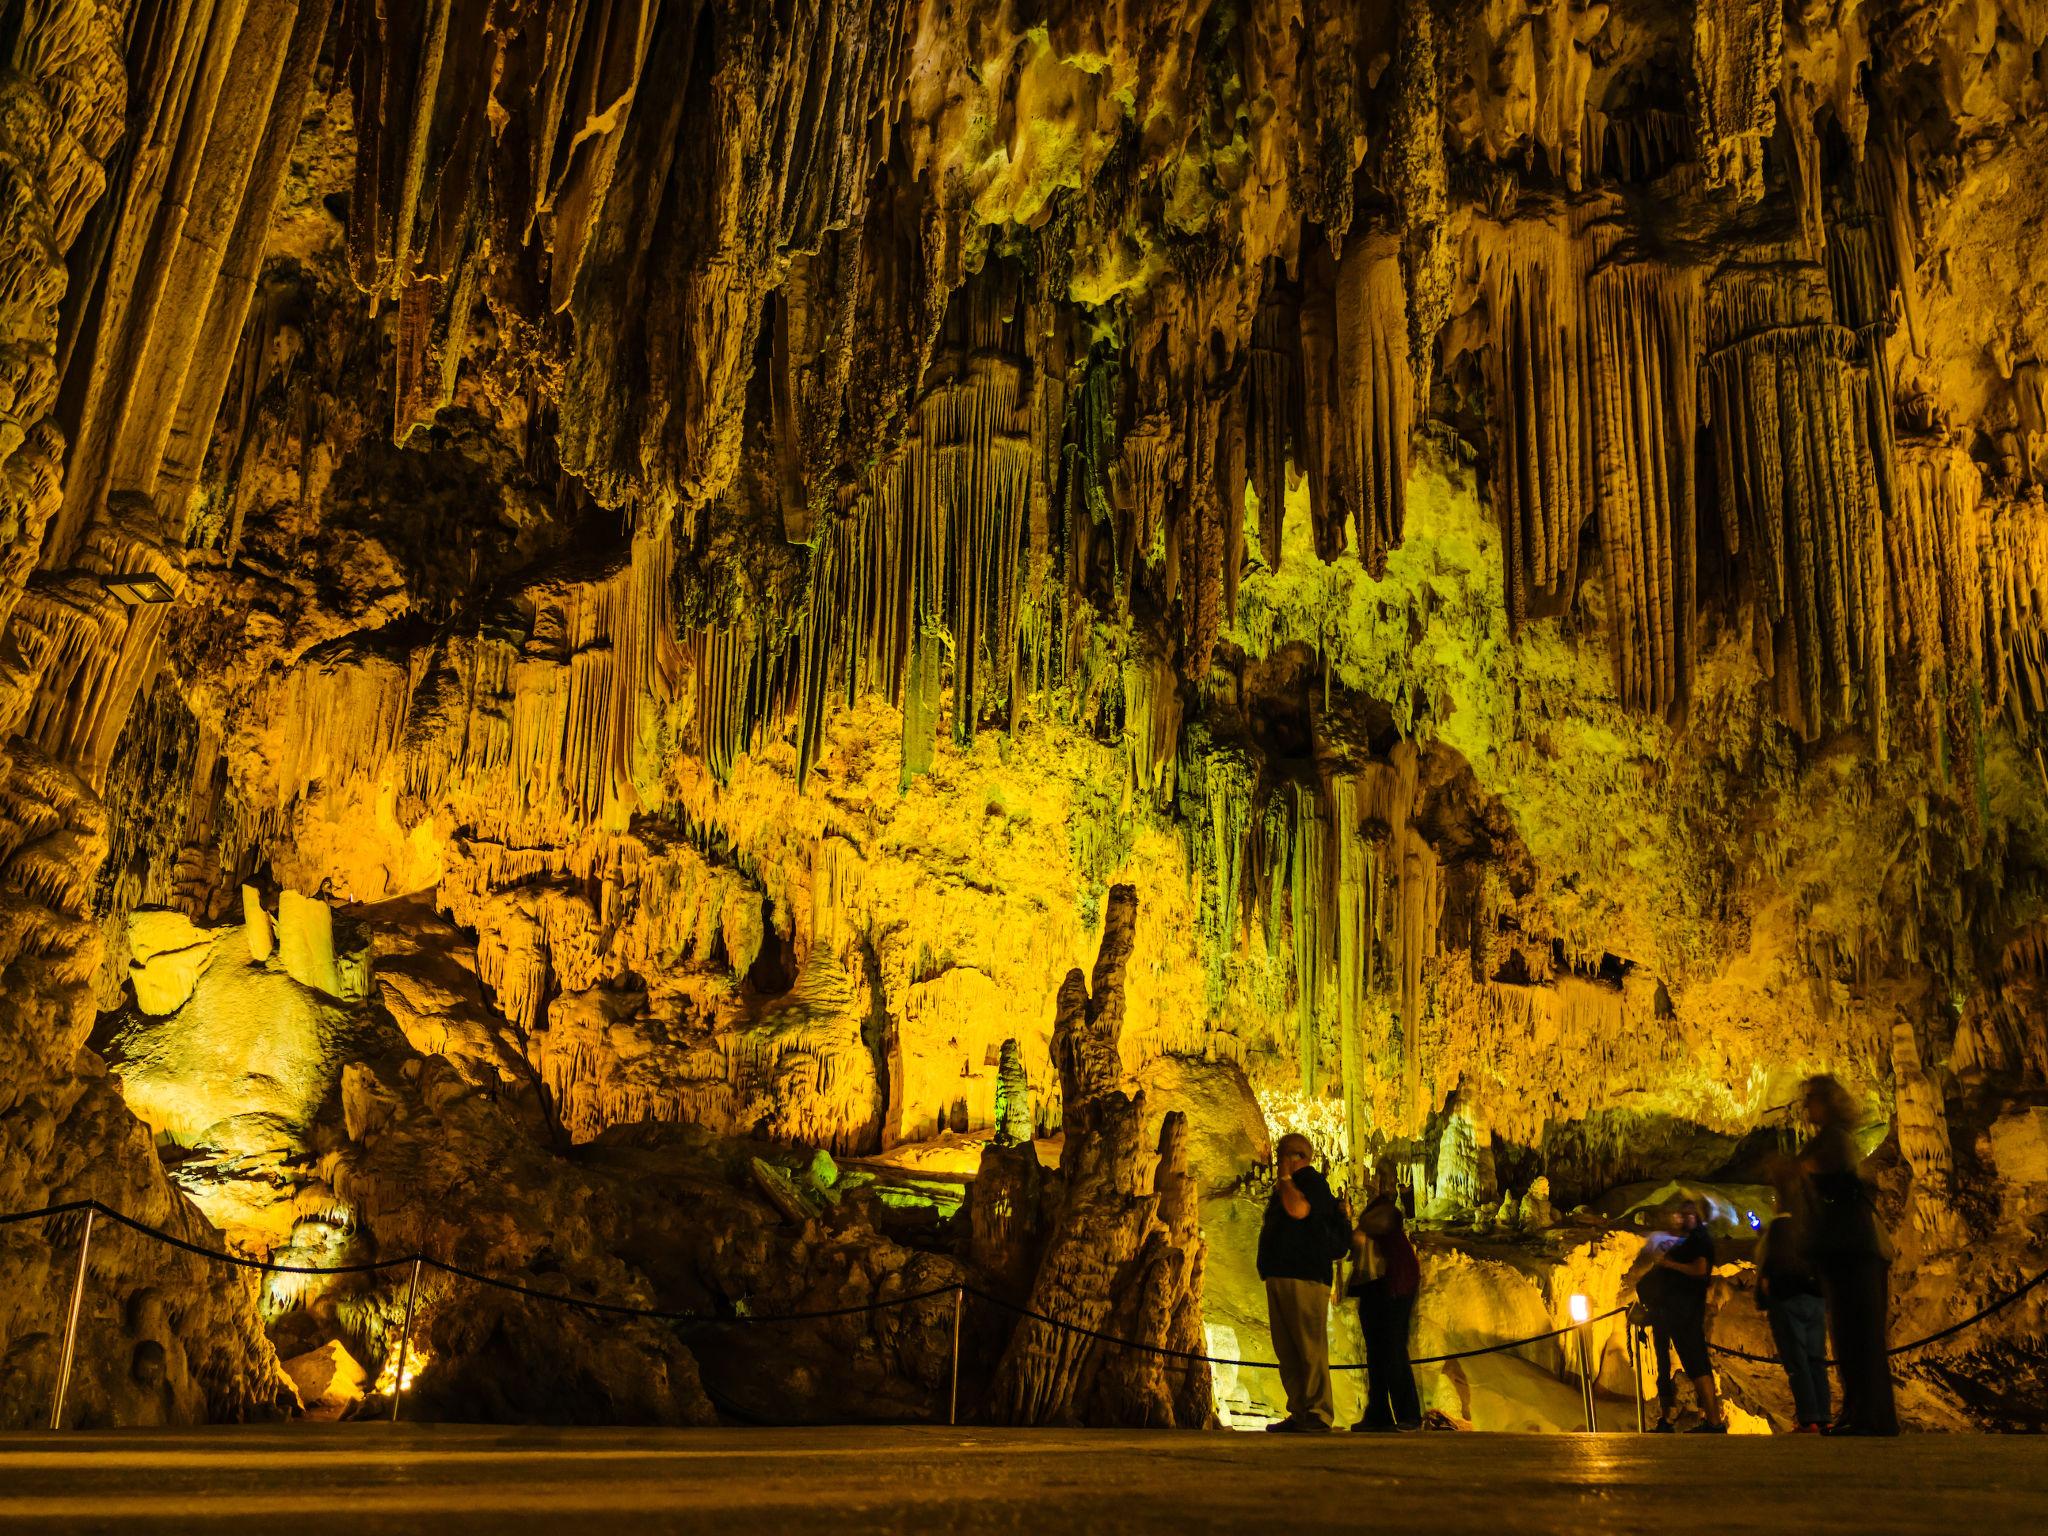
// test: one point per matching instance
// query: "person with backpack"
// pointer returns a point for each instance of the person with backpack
(1788, 1290)
(1305, 1232)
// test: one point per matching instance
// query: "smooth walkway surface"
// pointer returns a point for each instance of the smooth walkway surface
(380, 1478)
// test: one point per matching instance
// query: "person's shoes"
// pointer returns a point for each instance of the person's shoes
(1284, 1427)
(1663, 1427)
(1408, 1426)
(1811, 1429)
(1708, 1427)
(1373, 1427)
(1314, 1426)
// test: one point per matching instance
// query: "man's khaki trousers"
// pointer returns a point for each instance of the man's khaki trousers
(1300, 1314)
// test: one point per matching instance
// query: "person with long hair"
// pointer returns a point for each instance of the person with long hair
(1853, 1257)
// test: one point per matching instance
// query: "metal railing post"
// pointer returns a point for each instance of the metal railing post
(1635, 1371)
(1585, 1331)
(412, 1294)
(953, 1407)
(71, 1324)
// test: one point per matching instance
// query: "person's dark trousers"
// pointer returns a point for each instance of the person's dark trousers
(1800, 1327)
(1390, 1396)
(1859, 1312)
(1662, 1347)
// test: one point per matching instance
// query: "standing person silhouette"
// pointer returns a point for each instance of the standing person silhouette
(1386, 1306)
(1789, 1291)
(1672, 1276)
(1853, 1256)
(1304, 1233)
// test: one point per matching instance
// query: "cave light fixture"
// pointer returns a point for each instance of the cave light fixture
(139, 587)
(1582, 1313)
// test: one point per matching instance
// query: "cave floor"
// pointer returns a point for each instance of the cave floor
(377, 1478)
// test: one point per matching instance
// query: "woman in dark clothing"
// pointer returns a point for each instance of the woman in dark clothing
(1789, 1292)
(1853, 1261)
(1386, 1307)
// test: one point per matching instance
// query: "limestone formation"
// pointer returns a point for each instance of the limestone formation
(1124, 1254)
(597, 598)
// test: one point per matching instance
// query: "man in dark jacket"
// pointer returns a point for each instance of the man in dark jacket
(1304, 1234)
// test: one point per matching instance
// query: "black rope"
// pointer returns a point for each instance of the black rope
(624, 1309)
(1905, 1349)
(1193, 1356)
(267, 1266)
(49, 1210)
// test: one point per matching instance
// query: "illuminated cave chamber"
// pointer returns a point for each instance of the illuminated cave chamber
(669, 649)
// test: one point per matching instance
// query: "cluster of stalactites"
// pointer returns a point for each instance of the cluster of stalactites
(169, 261)
(924, 567)
(1539, 395)
(1643, 317)
(1334, 879)
(531, 726)
(588, 198)
(1329, 384)
(1787, 393)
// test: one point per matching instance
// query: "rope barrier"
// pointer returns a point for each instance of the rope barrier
(1265, 1365)
(626, 1309)
(1935, 1337)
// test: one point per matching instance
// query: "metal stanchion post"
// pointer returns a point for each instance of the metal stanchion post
(953, 1407)
(412, 1294)
(1586, 1372)
(1635, 1371)
(71, 1324)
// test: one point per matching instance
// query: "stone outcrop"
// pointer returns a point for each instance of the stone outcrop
(1124, 1253)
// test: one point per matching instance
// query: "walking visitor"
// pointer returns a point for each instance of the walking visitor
(1304, 1234)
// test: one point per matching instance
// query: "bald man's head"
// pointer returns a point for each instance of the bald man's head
(1292, 1151)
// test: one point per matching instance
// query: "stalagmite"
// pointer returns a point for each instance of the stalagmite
(1120, 1258)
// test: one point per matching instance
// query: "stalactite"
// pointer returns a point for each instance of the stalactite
(2016, 629)
(1357, 397)
(1539, 405)
(1644, 320)
(1935, 555)
(1783, 390)
(1736, 63)
(1418, 173)
(1272, 411)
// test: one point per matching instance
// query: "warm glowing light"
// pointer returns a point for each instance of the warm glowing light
(1581, 1309)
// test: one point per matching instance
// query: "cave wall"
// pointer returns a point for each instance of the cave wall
(620, 565)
